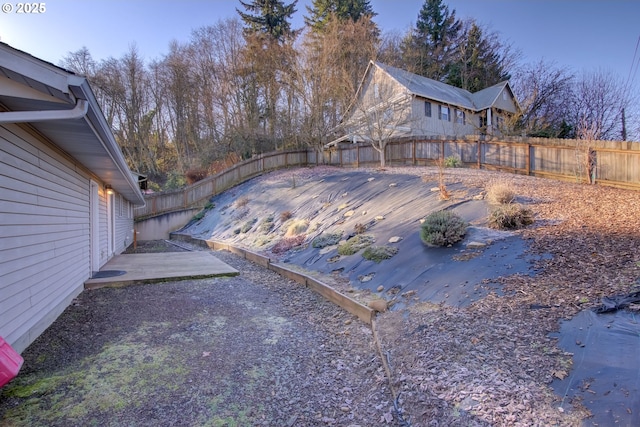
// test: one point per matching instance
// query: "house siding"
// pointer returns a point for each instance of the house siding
(508, 104)
(426, 126)
(44, 233)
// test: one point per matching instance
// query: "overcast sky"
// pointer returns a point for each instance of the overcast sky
(580, 34)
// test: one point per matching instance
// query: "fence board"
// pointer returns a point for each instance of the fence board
(617, 163)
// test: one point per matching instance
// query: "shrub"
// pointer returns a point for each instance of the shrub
(442, 228)
(379, 253)
(297, 226)
(510, 217)
(266, 225)
(360, 228)
(242, 202)
(327, 239)
(285, 216)
(248, 225)
(354, 244)
(287, 244)
(452, 162)
(500, 193)
(195, 175)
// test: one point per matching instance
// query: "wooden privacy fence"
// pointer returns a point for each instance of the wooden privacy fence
(197, 194)
(557, 159)
(613, 163)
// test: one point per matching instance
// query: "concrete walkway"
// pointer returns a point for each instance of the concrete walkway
(128, 269)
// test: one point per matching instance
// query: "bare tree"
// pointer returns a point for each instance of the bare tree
(381, 113)
(599, 99)
(330, 66)
(545, 93)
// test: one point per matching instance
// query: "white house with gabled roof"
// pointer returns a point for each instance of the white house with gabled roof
(400, 103)
(66, 193)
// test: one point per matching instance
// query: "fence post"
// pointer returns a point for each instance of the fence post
(357, 155)
(413, 152)
(479, 154)
(528, 159)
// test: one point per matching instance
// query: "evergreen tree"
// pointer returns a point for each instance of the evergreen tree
(429, 48)
(321, 11)
(269, 17)
(479, 61)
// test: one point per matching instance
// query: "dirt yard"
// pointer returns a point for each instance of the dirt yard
(259, 350)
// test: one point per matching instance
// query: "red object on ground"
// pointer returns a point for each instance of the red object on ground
(10, 362)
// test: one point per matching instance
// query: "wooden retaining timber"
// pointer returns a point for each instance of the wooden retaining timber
(363, 312)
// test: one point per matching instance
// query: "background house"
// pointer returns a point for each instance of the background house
(66, 193)
(391, 102)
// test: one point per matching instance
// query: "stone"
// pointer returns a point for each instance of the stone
(370, 179)
(434, 189)
(395, 239)
(378, 305)
(475, 245)
(393, 184)
(349, 213)
(380, 288)
(478, 197)
(379, 218)
(364, 213)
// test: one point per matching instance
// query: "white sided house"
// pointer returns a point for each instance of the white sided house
(393, 103)
(66, 193)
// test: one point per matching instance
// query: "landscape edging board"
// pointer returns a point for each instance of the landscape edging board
(363, 312)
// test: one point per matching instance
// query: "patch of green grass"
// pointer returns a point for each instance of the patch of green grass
(355, 244)
(379, 253)
(121, 376)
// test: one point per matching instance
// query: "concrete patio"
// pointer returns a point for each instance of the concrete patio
(129, 269)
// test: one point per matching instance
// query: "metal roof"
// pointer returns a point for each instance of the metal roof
(48, 88)
(442, 92)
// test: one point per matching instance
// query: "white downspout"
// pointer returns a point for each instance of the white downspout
(77, 112)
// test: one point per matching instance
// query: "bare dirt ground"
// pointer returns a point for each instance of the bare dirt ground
(172, 354)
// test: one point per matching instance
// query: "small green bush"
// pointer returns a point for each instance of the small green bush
(266, 225)
(248, 225)
(327, 239)
(510, 217)
(354, 244)
(379, 253)
(452, 162)
(442, 228)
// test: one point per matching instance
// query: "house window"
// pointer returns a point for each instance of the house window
(504, 95)
(120, 205)
(460, 117)
(376, 91)
(427, 108)
(444, 113)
